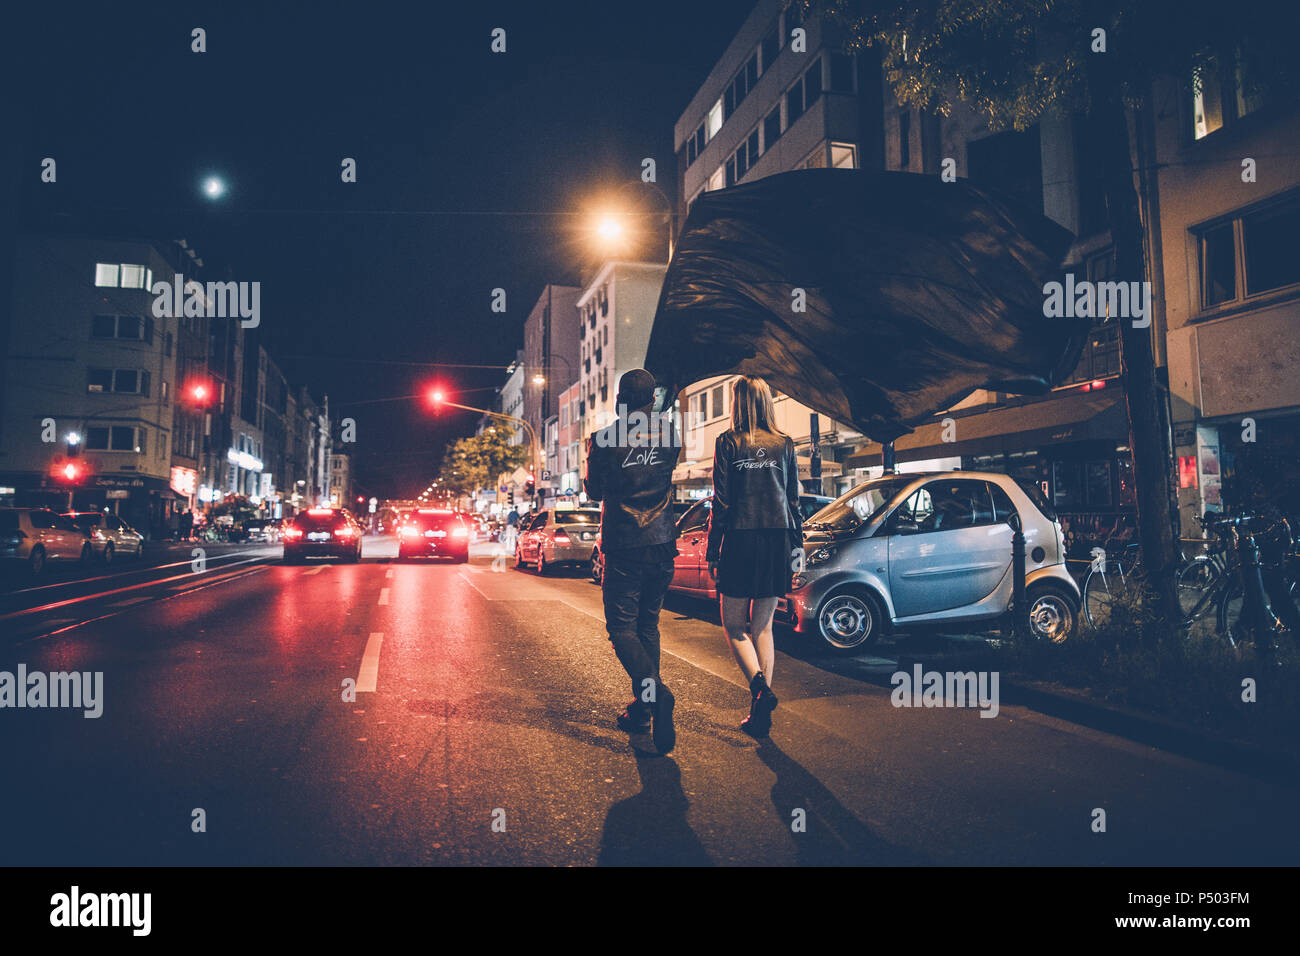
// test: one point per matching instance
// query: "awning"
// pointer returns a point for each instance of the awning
(1075, 416)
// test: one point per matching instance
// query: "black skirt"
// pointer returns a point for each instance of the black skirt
(755, 563)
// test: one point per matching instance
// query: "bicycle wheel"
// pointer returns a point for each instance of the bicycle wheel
(1109, 583)
(1195, 582)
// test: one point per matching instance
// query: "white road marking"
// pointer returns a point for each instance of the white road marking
(368, 676)
(383, 596)
(388, 573)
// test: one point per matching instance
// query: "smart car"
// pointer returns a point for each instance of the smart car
(928, 549)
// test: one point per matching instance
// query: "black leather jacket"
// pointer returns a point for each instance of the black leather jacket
(632, 473)
(755, 485)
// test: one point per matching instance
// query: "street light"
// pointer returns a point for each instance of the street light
(609, 228)
(214, 187)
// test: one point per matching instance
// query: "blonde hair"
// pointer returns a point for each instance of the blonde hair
(751, 407)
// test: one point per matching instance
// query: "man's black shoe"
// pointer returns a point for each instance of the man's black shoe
(665, 734)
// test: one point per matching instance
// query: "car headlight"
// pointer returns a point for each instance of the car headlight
(819, 556)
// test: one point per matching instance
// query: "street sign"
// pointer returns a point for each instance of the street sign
(374, 503)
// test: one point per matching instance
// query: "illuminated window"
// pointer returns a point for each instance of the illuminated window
(844, 156)
(714, 122)
(106, 274)
(132, 277)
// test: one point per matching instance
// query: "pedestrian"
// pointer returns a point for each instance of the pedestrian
(187, 524)
(631, 471)
(755, 529)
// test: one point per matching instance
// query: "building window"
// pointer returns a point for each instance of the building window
(844, 156)
(812, 85)
(717, 401)
(1252, 254)
(114, 275)
(772, 127)
(1268, 245)
(131, 327)
(714, 121)
(731, 170)
(751, 146)
(1220, 97)
(115, 438)
(794, 103)
(718, 179)
(1218, 266)
(770, 47)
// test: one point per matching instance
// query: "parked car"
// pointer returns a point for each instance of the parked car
(322, 532)
(35, 536)
(928, 549)
(263, 529)
(434, 533)
(110, 536)
(521, 531)
(690, 569)
(560, 537)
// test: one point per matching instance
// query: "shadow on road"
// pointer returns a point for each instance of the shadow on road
(833, 835)
(650, 829)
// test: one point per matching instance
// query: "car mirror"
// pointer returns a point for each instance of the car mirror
(903, 524)
(1013, 520)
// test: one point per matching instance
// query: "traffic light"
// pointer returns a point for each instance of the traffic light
(530, 486)
(69, 471)
(511, 497)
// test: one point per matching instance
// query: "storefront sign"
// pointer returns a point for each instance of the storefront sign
(114, 493)
(244, 460)
(184, 480)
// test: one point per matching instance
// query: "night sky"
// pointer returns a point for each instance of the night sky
(473, 169)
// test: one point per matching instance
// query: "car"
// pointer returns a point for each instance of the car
(265, 530)
(560, 537)
(35, 536)
(110, 536)
(434, 533)
(521, 532)
(690, 569)
(932, 549)
(322, 532)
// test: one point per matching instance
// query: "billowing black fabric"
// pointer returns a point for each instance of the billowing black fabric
(917, 293)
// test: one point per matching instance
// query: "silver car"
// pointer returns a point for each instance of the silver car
(559, 537)
(928, 549)
(110, 536)
(35, 536)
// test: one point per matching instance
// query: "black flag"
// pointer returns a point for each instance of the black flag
(875, 298)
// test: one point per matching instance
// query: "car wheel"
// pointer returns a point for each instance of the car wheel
(108, 553)
(37, 561)
(1052, 613)
(541, 562)
(595, 569)
(850, 620)
(87, 553)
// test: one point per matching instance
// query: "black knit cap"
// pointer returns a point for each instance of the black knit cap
(636, 388)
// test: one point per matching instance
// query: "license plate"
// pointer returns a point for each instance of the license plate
(318, 536)
(586, 536)
(435, 534)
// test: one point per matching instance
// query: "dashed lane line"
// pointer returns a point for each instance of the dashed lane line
(368, 676)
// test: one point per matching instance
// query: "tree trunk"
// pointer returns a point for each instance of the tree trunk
(1148, 441)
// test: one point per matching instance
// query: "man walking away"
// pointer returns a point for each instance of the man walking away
(630, 468)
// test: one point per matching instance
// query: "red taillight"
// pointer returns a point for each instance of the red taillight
(408, 531)
(561, 537)
(293, 533)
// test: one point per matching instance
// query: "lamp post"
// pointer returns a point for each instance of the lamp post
(533, 448)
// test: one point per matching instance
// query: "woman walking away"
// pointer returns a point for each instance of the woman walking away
(754, 526)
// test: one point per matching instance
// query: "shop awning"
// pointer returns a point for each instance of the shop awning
(1074, 416)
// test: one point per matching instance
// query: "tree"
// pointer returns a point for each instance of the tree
(1015, 61)
(473, 463)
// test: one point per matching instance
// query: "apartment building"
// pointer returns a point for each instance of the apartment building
(89, 378)
(615, 313)
(1229, 279)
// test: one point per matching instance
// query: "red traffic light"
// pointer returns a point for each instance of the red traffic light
(199, 393)
(436, 396)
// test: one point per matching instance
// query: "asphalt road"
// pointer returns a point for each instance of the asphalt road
(488, 738)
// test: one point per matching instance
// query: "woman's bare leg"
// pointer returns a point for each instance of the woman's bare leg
(735, 623)
(761, 629)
